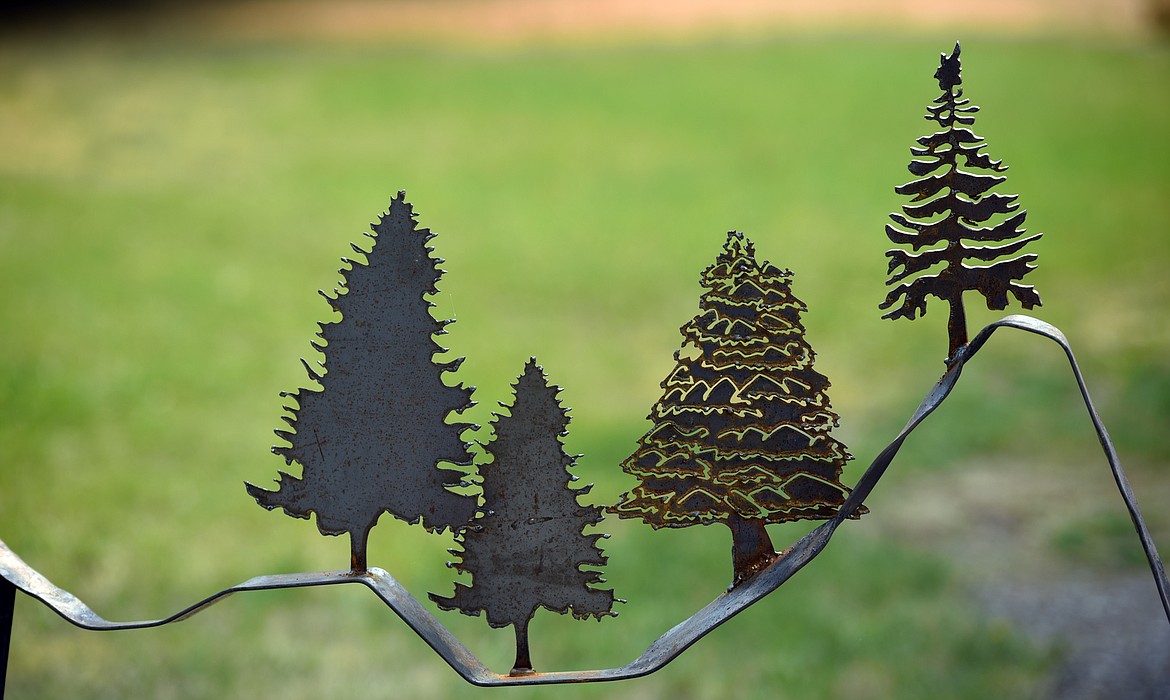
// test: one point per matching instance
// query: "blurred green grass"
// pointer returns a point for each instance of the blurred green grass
(169, 207)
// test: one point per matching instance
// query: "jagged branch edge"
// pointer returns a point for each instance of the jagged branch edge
(679, 638)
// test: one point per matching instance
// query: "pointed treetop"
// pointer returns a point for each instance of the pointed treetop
(401, 213)
(737, 246)
(949, 70)
(531, 379)
(532, 370)
(738, 258)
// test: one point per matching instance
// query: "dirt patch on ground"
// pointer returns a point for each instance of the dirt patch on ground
(1109, 630)
(522, 21)
(1048, 550)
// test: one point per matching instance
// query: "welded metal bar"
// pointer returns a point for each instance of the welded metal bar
(674, 641)
(419, 619)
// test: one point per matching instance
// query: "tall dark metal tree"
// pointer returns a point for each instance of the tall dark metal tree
(953, 201)
(527, 547)
(741, 435)
(372, 438)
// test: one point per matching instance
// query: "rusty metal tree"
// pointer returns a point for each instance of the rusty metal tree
(527, 548)
(961, 198)
(741, 435)
(372, 438)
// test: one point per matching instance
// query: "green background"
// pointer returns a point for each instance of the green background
(169, 206)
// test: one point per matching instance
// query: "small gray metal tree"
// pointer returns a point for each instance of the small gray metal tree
(962, 200)
(370, 441)
(527, 548)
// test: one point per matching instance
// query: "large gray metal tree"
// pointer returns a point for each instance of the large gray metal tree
(372, 438)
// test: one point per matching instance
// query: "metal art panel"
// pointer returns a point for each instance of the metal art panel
(679, 637)
(741, 435)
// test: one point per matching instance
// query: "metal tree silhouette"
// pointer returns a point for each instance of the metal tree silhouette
(371, 439)
(527, 549)
(741, 435)
(953, 201)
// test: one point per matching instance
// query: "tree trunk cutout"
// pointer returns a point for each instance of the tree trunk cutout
(523, 663)
(956, 327)
(358, 542)
(751, 548)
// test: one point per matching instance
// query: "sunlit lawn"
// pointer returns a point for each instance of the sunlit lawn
(168, 209)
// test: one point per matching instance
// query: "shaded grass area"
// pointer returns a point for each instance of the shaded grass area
(167, 210)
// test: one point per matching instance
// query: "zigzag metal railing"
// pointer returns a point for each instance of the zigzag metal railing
(19, 575)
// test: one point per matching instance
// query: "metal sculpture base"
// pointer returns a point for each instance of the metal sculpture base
(424, 624)
(15, 572)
